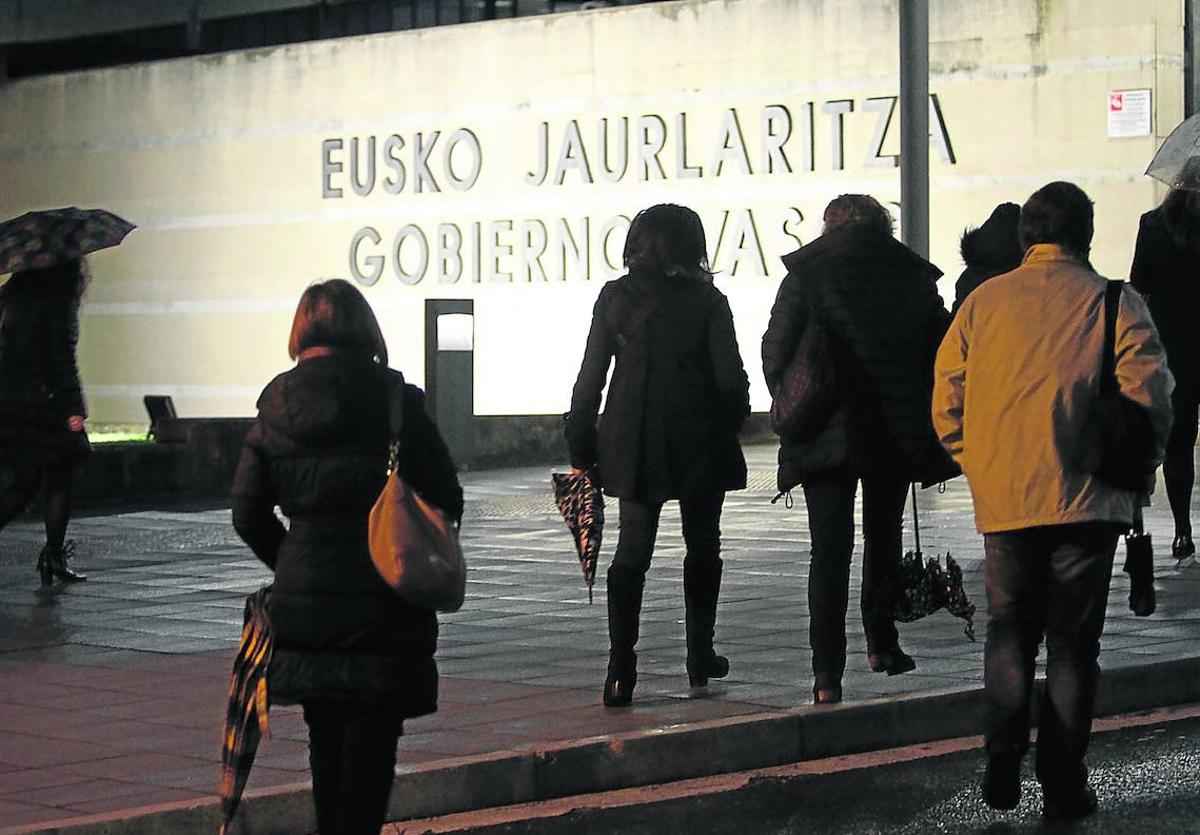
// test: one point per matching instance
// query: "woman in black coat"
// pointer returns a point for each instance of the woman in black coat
(677, 399)
(878, 301)
(43, 436)
(358, 658)
(1165, 269)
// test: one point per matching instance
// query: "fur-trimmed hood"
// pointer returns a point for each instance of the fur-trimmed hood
(994, 247)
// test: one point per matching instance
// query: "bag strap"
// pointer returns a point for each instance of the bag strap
(1108, 371)
(395, 421)
(916, 521)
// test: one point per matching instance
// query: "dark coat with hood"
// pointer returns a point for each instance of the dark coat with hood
(879, 302)
(1168, 275)
(991, 250)
(318, 450)
(678, 396)
(39, 377)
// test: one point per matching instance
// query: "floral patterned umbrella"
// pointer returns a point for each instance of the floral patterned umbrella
(581, 504)
(44, 238)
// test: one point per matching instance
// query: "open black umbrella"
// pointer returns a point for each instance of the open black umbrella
(44, 238)
(581, 504)
(246, 715)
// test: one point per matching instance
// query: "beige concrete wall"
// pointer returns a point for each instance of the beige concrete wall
(220, 161)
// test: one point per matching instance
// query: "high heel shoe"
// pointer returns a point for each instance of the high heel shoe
(700, 670)
(827, 695)
(1183, 547)
(52, 564)
(44, 569)
(892, 661)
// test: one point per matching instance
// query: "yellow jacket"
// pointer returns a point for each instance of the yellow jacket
(1015, 386)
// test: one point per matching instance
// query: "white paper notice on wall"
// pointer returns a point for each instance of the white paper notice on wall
(1129, 113)
(455, 332)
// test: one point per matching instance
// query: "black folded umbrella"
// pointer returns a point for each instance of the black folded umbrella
(581, 504)
(925, 586)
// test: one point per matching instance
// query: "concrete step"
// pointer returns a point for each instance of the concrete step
(904, 789)
(637, 759)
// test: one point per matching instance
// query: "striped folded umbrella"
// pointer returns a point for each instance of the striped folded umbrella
(246, 715)
(45, 238)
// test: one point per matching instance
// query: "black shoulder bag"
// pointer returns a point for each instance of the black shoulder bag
(1125, 433)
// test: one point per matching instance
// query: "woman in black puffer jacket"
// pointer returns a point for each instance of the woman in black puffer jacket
(879, 303)
(42, 413)
(356, 657)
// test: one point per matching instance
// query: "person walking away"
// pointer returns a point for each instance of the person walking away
(677, 399)
(43, 435)
(1014, 402)
(1166, 261)
(358, 658)
(878, 301)
(991, 250)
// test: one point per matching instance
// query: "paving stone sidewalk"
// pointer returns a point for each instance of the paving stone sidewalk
(112, 691)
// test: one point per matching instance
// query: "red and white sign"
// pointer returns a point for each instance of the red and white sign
(1129, 113)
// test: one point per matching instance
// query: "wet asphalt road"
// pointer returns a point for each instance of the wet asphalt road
(1147, 780)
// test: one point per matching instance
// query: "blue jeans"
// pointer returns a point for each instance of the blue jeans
(830, 502)
(1053, 582)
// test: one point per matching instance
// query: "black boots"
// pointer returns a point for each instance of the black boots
(621, 679)
(52, 564)
(701, 588)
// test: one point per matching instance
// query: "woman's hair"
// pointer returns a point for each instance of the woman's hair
(68, 279)
(667, 239)
(333, 314)
(1180, 213)
(846, 209)
(1058, 213)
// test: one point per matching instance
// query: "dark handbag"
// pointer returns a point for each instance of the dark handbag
(413, 545)
(1125, 433)
(806, 395)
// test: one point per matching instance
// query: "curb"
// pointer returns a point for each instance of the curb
(640, 758)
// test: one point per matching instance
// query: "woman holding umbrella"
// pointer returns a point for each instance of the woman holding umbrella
(346, 647)
(677, 399)
(42, 411)
(1165, 262)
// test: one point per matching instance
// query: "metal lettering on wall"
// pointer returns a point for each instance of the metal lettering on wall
(604, 151)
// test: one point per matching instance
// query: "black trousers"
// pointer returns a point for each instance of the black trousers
(830, 502)
(352, 753)
(1050, 581)
(1179, 468)
(701, 517)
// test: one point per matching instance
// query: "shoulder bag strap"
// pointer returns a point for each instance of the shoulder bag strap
(395, 420)
(1112, 303)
